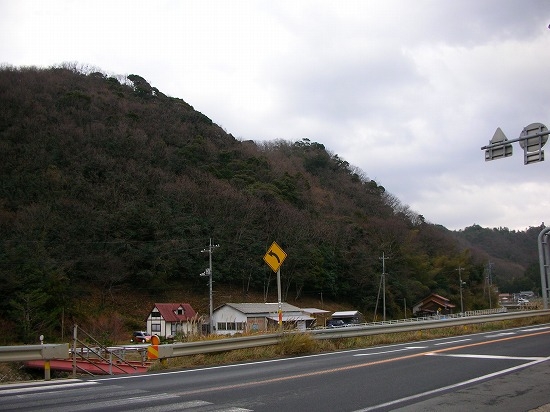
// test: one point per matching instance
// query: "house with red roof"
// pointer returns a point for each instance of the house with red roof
(170, 319)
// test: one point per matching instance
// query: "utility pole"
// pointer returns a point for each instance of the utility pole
(460, 284)
(208, 272)
(490, 282)
(383, 280)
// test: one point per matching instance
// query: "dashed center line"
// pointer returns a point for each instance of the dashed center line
(500, 334)
(536, 329)
(465, 355)
(451, 342)
(390, 351)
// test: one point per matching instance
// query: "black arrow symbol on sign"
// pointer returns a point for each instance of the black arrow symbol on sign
(272, 253)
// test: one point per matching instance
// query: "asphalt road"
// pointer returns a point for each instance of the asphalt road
(499, 371)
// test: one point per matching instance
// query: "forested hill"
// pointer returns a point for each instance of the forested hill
(109, 185)
(513, 255)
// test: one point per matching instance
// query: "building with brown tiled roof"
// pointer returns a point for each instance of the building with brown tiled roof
(433, 304)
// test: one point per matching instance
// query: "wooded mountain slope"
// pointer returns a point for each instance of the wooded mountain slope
(108, 184)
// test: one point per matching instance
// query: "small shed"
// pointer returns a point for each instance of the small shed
(349, 317)
(433, 304)
(320, 315)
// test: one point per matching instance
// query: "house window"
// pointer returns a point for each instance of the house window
(155, 314)
(180, 311)
(155, 327)
(174, 329)
(231, 325)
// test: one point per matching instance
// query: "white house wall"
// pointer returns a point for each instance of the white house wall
(225, 315)
(186, 328)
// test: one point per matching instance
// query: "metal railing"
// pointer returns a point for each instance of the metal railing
(483, 312)
(103, 358)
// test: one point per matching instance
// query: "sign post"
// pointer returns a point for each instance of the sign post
(274, 258)
(532, 138)
(279, 301)
(544, 261)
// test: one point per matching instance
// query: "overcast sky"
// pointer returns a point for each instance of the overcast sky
(407, 91)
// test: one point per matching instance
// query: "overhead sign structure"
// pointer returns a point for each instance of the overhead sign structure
(498, 152)
(275, 257)
(532, 138)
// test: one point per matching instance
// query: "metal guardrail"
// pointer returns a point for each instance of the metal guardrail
(375, 328)
(46, 352)
(466, 314)
(220, 345)
(61, 351)
(431, 323)
(435, 317)
(34, 352)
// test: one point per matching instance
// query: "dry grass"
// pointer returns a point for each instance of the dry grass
(12, 372)
(297, 344)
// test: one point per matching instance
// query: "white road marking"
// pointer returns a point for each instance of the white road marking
(179, 406)
(465, 355)
(118, 402)
(390, 351)
(500, 334)
(535, 329)
(454, 386)
(50, 387)
(451, 341)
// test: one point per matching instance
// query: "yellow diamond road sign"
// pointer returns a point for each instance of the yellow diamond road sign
(275, 256)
